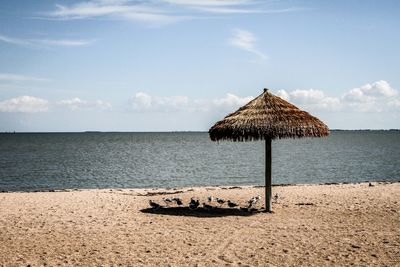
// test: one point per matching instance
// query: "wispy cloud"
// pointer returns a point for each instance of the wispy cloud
(44, 42)
(246, 40)
(19, 78)
(16, 41)
(63, 42)
(140, 12)
(226, 10)
(160, 12)
(233, 7)
(210, 2)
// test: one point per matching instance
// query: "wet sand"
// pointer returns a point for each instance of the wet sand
(312, 225)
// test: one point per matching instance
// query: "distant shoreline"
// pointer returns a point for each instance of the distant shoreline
(96, 132)
(186, 188)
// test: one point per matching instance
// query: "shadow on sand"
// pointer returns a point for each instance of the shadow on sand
(201, 212)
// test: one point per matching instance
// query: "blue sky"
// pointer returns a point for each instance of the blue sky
(167, 65)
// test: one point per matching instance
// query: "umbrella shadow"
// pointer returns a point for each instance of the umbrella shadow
(201, 212)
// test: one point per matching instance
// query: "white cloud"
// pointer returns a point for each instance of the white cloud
(144, 102)
(44, 42)
(371, 97)
(370, 92)
(231, 101)
(24, 104)
(19, 78)
(310, 96)
(395, 103)
(141, 101)
(79, 104)
(283, 94)
(312, 99)
(247, 41)
(379, 88)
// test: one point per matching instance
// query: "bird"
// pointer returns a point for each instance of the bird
(193, 204)
(210, 198)
(168, 200)
(276, 198)
(178, 201)
(207, 207)
(220, 201)
(231, 204)
(253, 201)
(154, 205)
(370, 184)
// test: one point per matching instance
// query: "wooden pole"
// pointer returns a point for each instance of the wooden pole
(268, 163)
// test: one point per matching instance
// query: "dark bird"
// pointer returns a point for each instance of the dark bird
(193, 204)
(220, 201)
(178, 201)
(207, 207)
(231, 204)
(276, 198)
(154, 205)
(168, 200)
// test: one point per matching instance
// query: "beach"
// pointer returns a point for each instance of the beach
(311, 225)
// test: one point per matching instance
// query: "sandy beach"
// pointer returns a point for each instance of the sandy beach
(312, 225)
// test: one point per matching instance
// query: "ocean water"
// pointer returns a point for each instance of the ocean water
(44, 161)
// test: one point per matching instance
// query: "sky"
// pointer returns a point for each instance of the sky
(182, 65)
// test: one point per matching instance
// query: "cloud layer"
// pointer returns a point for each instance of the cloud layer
(371, 97)
(144, 102)
(378, 96)
(32, 104)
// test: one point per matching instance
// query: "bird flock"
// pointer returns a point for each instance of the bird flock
(212, 203)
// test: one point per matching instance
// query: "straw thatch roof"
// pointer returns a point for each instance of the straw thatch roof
(267, 116)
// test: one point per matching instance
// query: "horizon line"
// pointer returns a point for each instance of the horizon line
(182, 131)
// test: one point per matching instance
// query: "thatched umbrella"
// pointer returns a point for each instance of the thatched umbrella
(267, 117)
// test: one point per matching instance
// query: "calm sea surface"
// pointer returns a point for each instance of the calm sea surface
(43, 161)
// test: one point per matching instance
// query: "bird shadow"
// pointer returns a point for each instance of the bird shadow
(201, 212)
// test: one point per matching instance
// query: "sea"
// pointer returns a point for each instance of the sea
(89, 160)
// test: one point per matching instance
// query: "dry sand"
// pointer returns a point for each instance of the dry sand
(312, 225)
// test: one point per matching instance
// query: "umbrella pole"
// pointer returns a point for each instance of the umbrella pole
(268, 163)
